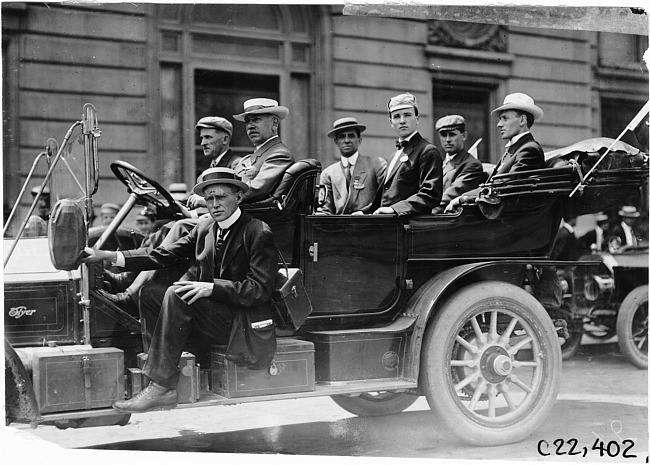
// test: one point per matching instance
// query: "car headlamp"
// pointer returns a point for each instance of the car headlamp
(596, 286)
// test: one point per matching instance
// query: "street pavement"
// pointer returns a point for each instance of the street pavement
(602, 398)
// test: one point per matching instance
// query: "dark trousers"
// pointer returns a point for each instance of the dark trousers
(176, 323)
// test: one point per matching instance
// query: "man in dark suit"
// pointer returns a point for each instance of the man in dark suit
(625, 232)
(263, 169)
(237, 262)
(461, 172)
(597, 238)
(351, 184)
(516, 116)
(413, 181)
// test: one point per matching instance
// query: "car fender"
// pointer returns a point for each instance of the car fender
(427, 299)
(20, 399)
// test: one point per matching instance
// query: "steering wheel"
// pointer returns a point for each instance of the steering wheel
(147, 189)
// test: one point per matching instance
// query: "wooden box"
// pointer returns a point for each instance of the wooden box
(188, 382)
(75, 377)
(349, 356)
(292, 370)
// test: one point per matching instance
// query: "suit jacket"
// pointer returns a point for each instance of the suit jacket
(229, 160)
(367, 176)
(617, 231)
(415, 185)
(246, 276)
(525, 154)
(466, 174)
(263, 169)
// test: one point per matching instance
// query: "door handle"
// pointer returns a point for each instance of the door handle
(313, 251)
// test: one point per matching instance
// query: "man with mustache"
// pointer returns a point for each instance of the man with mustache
(263, 169)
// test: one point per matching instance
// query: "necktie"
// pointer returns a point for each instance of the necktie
(218, 250)
(400, 144)
(446, 165)
(348, 176)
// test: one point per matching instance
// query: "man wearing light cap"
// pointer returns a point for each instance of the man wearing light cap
(413, 181)
(516, 116)
(237, 262)
(461, 172)
(351, 184)
(37, 223)
(107, 212)
(263, 169)
(215, 133)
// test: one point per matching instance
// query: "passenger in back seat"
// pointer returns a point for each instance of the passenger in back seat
(516, 116)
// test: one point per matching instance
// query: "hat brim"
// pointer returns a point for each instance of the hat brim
(628, 215)
(333, 132)
(401, 107)
(198, 189)
(279, 111)
(534, 110)
(208, 126)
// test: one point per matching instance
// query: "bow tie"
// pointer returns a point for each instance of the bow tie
(400, 144)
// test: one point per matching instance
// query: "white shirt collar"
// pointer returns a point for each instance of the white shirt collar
(228, 222)
(409, 137)
(516, 138)
(351, 159)
(218, 159)
(257, 147)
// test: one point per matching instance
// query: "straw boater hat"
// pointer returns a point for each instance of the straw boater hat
(520, 101)
(260, 106)
(402, 101)
(628, 211)
(215, 122)
(218, 176)
(343, 124)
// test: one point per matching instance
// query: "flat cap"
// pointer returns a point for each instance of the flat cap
(109, 206)
(215, 122)
(450, 122)
(401, 101)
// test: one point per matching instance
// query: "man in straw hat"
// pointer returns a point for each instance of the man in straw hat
(263, 169)
(413, 181)
(516, 116)
(352, 183)
(237, 262)
(625, 233)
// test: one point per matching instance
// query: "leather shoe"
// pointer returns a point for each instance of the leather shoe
(153, 397)
(119, 281)
(122, 299)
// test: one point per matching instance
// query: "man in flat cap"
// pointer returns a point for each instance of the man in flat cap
(516, 116)
(351, 184)
(263, 169)
(215, 133)
(237, 262)
(37, 223)
(461, 172)
(413, 180)
(107, 212)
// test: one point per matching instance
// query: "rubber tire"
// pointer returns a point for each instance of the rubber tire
(436, 359)
(631, 304)
(366, 405)
(571, 346)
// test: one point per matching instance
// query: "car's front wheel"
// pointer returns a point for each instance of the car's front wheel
(491, 364)
(632, 327)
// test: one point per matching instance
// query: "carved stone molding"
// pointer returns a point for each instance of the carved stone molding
(477, 36)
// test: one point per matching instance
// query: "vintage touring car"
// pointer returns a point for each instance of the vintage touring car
(434, 305)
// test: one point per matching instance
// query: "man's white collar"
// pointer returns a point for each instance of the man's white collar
(228, 222)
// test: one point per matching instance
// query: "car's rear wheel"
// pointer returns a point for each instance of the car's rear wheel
(374, 404)
(632, 327)
(491, 364)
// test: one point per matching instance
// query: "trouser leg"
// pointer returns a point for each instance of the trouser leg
(177, 321)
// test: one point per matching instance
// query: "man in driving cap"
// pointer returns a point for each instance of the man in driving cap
(461, 172)
(107, 212)
(215, 133)
(263, 169)
(413, 180)
(37, 223)
(237, 262)
(350, 184)
(516, 116)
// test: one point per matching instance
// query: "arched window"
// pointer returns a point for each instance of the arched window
(213, 57)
